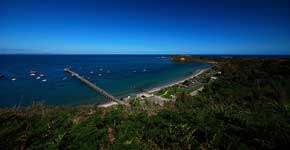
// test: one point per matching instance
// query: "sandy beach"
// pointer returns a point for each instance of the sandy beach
(196, 73)
(108, 104)
(158, 88)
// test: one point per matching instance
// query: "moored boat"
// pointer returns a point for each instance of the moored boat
(33, 71)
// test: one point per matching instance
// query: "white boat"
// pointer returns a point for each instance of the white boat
(64, 78)
(42, 75)
(144, 70)
(44, 80)
(134, 71)
(32, 74)
(37, 78)
(91, 72)
(101, 69)
(13, 79)
(99, 75)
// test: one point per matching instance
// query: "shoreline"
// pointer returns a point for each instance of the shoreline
(158, 88)
(194, 74)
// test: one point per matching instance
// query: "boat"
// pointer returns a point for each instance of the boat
(37, 78)
(13, 79)
(91, 72)
(101, 69)
(134, 71)
(33, 72)
(108, 71)
(144, 70)
(42, 75)
(64, 78)
(99, 74)
(44, 80)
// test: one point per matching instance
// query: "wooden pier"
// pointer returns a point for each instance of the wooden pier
(93, 86)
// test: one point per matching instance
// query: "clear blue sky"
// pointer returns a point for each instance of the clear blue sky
(145, 26)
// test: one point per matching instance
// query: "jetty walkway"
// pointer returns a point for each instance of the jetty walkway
(93, 86)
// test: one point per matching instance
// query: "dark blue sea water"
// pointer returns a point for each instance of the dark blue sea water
(121, 75)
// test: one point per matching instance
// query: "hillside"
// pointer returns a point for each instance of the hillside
(247, 106)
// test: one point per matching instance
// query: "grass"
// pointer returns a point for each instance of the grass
(246, 108)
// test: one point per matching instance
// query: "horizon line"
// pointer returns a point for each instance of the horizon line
(140, 54)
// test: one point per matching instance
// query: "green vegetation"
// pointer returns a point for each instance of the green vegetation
(188, 86)
(247, 107)
(170, 91)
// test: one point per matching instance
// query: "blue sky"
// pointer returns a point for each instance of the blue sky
(145, 26)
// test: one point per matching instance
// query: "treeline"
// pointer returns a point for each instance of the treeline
(247, 107)
(198, 58)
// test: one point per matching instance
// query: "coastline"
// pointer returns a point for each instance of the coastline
(194, 74)
(107, 104)
(158, 88)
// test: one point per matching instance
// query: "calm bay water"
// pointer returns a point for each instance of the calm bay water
(121, 75)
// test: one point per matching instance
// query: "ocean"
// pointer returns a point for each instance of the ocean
(120, 75)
